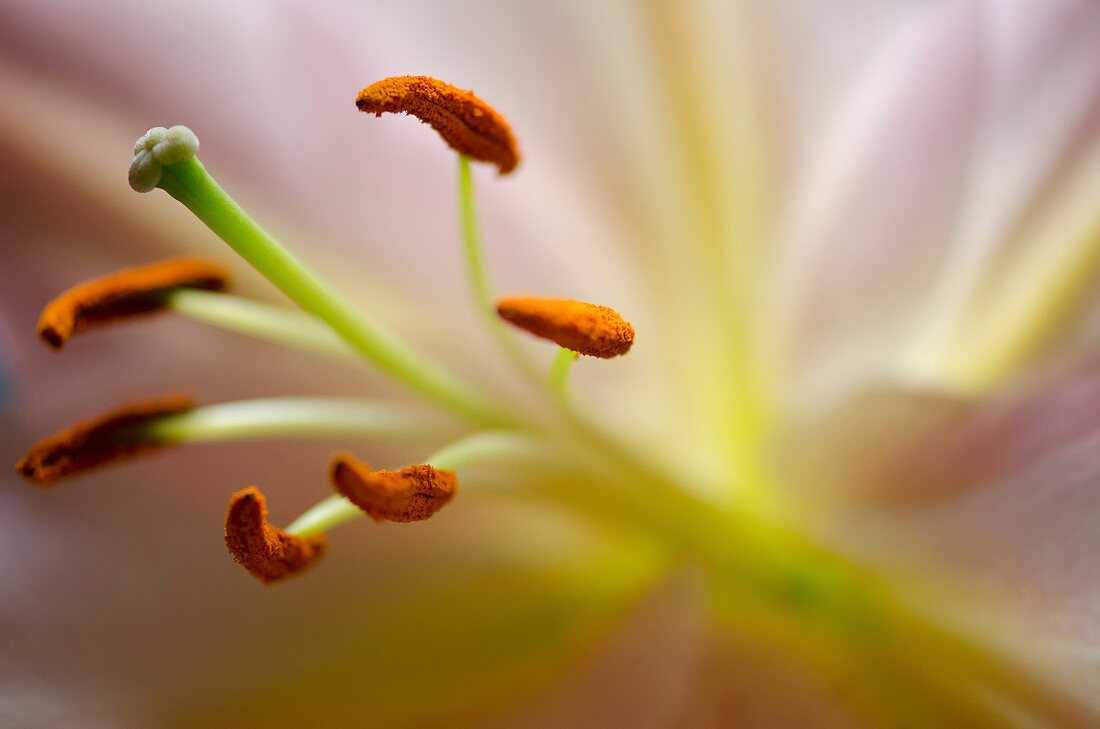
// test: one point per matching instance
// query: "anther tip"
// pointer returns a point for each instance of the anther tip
(465, 122)
(249, 500)
(340, 466)
(123, 294)
(108, 438)
(29, 470)
(51, 335)
(597, 331)
(268, 553)
(414, 493)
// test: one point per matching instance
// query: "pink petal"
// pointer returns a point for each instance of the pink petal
(1007, 504)
(921, 175)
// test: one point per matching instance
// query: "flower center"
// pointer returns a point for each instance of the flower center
(765, 576)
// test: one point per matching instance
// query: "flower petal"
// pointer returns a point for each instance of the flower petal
(447, 651)
(745, 681)
(1040, 122)
(874, 204)
(922, 182)
(1010, 510)
(638, 675)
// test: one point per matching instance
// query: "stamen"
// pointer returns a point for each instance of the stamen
(487, 446)
(469, 125)
(127, 293)
(584, 328)
(414, 493)
(189, 182)
(300, 417)
(479, 274)
(558, 377)
(268, 553)
(281, 325)
(113, 436)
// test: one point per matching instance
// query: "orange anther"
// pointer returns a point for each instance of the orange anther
(414, 493)
(466, 123)
(268, 553)
(585, 328)
(129, 292)
(110, 437)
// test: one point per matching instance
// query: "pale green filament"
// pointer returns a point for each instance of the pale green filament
(484, 447)
(244, 316)
(488, 446)
(558, 377)
(471, 241)
(583, 434)
(478, 272)
(290, 416)
(189, 182)
(323, 516)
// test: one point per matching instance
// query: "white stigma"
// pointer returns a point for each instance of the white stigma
(155, 149)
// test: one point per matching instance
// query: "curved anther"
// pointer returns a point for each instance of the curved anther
(414, 493)
(267, 552)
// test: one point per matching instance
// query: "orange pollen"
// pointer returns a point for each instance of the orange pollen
(585, 328)
(130, 292)
(110, 437)
(466, 123)
(268, 553)
(414, 493)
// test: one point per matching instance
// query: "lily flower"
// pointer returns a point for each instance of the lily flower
(829, 460)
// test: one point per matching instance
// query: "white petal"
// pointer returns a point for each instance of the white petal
(1041, 91)
(972, 114)
(873, 204)
(1011, 512)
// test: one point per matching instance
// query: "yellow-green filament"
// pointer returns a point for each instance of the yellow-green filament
(558, 377)
(189, 182)
(291, 416)
(262, 321)
(478, 272)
